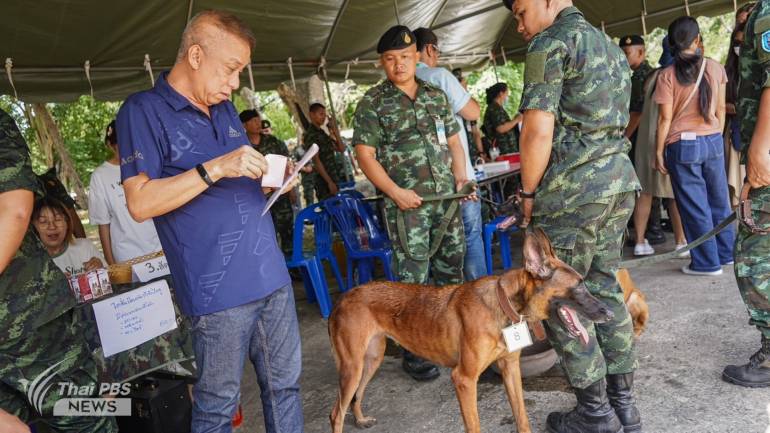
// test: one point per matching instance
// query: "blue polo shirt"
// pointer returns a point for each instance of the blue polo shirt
(221, 252)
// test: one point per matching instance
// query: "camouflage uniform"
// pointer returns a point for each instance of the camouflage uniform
(494, 117)
(306, 179)
(404, 133)
(329, 157)
(587, 193)
(638, 78)
(38, 328)
(282, 212)
(752, 251)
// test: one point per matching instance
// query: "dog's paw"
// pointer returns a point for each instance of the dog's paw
(365, 422)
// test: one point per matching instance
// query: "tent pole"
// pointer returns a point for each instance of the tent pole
(189, 10)
(87, 67)
(336, 24)
(322, 69)
(438, 14)
(148, 67)
(395, 8)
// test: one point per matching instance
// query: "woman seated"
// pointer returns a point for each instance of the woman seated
(498, 127)
(54, 227)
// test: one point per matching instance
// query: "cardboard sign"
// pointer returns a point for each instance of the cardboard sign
(129, 319)
(151, 269)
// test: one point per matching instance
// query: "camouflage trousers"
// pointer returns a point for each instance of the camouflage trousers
(752, 263)
(308, 188)
(60, 344)
(422, 227)
(590, 239)
(283, 221)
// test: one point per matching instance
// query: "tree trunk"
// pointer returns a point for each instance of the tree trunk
(49, 137)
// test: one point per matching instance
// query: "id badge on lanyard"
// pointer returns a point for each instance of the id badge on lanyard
(440, 130)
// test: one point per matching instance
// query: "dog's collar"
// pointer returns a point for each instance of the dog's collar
(514, 317)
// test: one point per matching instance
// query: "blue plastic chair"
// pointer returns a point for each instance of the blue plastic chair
(370, 209)
(352, 219)
(322, 234)
(490, 229)
(313, 278)
(346, 186)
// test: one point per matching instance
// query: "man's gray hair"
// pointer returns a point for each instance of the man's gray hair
(223, 21)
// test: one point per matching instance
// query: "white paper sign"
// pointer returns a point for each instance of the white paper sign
(151, 269)
(517, 336)
(310, 153)
(129, 319)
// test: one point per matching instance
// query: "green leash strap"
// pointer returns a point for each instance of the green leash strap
(450, 214)
(635, 263)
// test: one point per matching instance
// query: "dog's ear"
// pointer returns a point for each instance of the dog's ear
(538, 253)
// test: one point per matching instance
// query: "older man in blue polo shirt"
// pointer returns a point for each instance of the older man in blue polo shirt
(464, 107)
(186, 162)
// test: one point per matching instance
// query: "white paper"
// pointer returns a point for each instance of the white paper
(129, 319)
(151, 269)
(309, 154)
(517, 336)
(276, 170)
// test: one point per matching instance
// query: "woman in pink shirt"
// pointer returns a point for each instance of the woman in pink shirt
(690, 147)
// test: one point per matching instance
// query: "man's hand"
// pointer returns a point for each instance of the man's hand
(758, 169)
(11, 424)
(333, 188)
(93, 264)
(406, 199)
(660, 164)
(473, 196)
(242, 162)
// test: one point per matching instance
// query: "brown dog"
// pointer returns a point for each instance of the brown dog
(456, 326)
(635, 301)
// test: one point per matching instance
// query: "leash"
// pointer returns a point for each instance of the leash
(450, 214)
(743, 214)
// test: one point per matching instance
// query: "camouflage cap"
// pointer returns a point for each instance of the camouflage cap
(396, 38)
(631, 40)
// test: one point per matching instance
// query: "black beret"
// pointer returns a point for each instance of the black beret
(631, 40)
(508, 4)
(396, 38)
(247, 115)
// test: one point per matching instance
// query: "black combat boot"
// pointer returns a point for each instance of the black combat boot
(620, 392)
(654, 233)
(755, 374)
(420, 369)
(593, 413)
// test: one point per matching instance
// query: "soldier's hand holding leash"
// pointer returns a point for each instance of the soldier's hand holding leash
(459, 184)
(406, 199)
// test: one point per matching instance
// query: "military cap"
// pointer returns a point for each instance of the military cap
(631, 40)
(247, 115)
(396, 38)
(508, 4)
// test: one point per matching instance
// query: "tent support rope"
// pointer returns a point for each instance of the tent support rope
(8, 67)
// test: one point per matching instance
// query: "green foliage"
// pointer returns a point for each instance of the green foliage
(82, 125)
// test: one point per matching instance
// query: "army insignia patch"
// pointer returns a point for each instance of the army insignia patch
(765, 38)
(628, 41)
(407, 39)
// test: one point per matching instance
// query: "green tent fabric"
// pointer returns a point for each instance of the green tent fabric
(46, 44)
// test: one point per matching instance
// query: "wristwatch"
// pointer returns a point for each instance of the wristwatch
(523, 194)
(204, 174)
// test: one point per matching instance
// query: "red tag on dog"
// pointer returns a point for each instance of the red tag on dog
(517, 336)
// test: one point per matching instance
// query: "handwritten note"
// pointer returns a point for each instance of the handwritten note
(151, 269)
(129, 319)
(309, 154)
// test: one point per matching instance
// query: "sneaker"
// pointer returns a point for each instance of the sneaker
(686, 269)
(684, 255)
(731, 262)
(643, 249)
